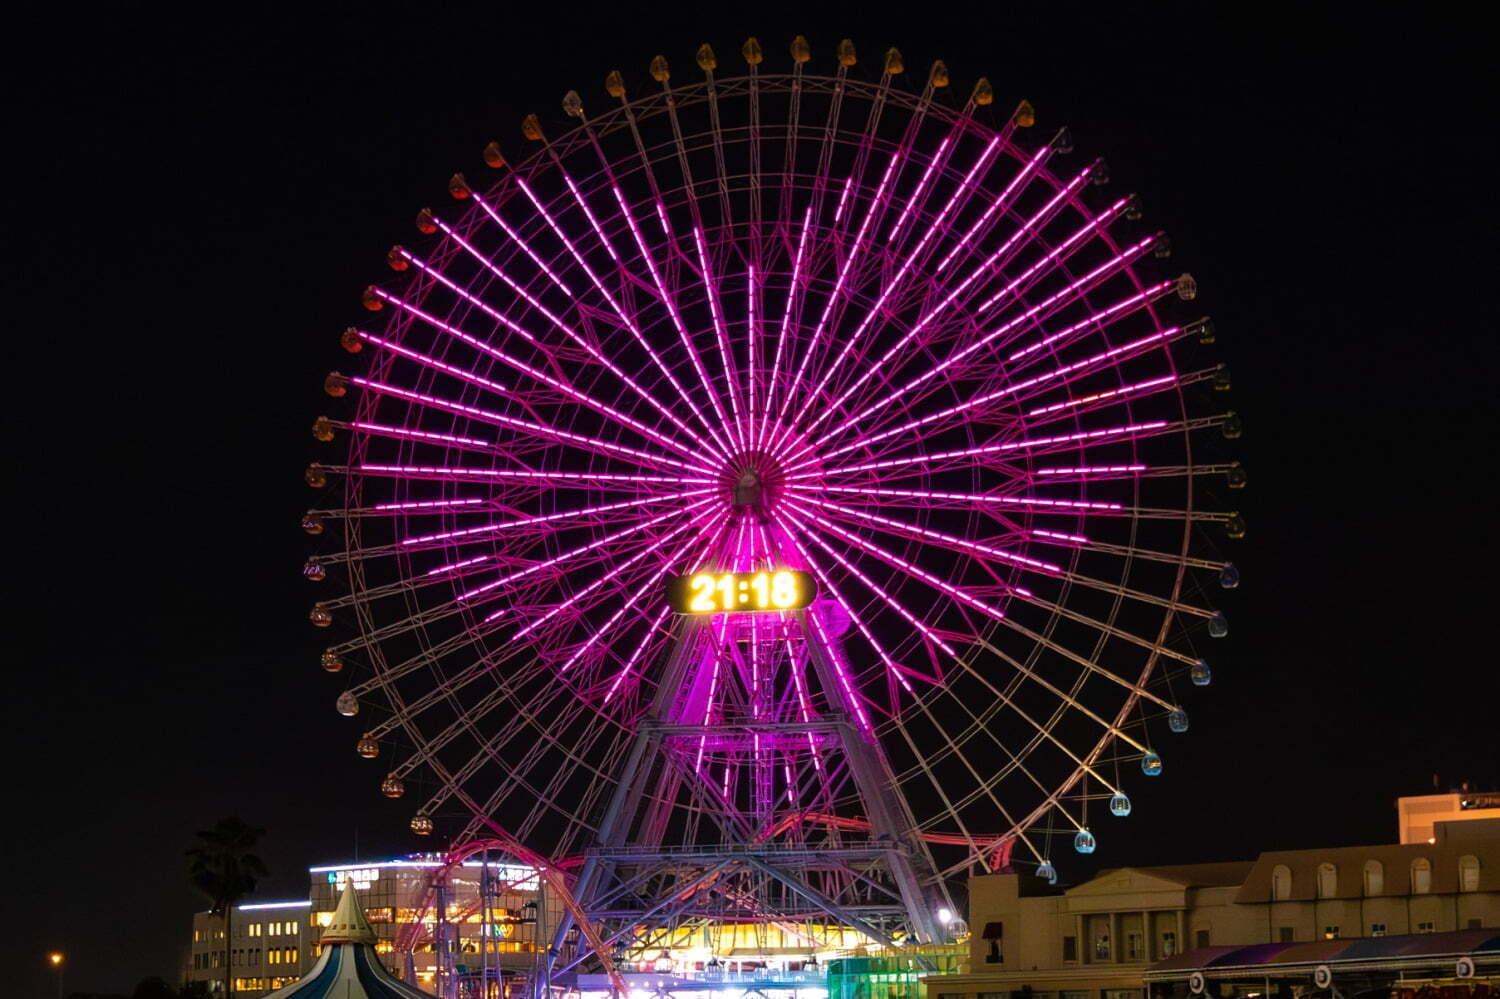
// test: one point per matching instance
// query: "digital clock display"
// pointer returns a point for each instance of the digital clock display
(728, 592)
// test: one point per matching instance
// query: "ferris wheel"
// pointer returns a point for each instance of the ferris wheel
(782, 490)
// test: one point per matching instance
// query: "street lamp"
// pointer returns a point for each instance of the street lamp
(56, 960)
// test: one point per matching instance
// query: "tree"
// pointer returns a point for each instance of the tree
(222, 867)
(154, 988)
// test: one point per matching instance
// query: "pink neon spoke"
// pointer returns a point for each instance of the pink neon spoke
(726, 356)
(613, 303)
(1059, 536)
(1018, 389)
(921, 188)
(442, 504)
(913, 530)
(875, 588)
(515, 237)
(548, 518)
(893, 395)
(636, 655)
(910, 569)
(555, 383)
(407, 433)
(752, 338)
(593, 222)
(610, 575)
(1086, 400)
(671, 304)
(539, 429)
(1091, 470)
(625, 605)
(791, 296)
(841, 671)
(928, 494)
(877, 202)
(505, 473)
(1051, 257)
(826, 581)
(1002, 201)
(567, 331)
(995, 260)
(1023, 445)
(892, 285)
(574, 552)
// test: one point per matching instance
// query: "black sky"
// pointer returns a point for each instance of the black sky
(199, 201)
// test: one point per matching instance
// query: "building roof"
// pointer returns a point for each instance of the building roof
(1219, 875)
(348, 967)
(1484, 943)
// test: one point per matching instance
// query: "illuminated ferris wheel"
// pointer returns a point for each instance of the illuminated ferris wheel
(776, 496)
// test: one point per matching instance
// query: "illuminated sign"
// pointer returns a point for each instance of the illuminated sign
(720, 592)
(363, 877)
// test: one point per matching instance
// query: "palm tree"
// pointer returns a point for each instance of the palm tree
(221, 866)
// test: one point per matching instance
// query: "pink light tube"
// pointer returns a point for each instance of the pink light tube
(791, 295)
(911, 570)
(927, 494)
(519, 365)
(539, 429)
(1088, 229)
(515, 237)
(509, 473)
(874, 587)
(841, 671)
(454, 566)
(1013, 390)
(893, 395)
(420, 435)
(462, 293)
(610, 576)
(1145, 386)
(548, 518)
(921, 188)
(1125, 305)
(1058, 536)
(912, 530)
(635, 656)
(569, 332)
(1091, 470)
(572, 553)
(827, 582)
(1002, 200)
(752, 337)
(430, 504)
(1088, 435)
(593, 222)
(721, 335)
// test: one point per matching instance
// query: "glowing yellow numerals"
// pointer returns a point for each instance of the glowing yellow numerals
(730, 592)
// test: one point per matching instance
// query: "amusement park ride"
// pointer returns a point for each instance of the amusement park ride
(771, 500)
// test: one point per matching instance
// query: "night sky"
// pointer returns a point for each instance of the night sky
(199, 206)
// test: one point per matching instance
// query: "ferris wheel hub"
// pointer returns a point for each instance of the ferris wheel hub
(753, 480)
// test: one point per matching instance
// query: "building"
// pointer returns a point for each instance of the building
(273, 945)
(1098, 940)
(1417, 815)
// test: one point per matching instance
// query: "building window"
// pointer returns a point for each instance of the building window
(1377, 929)
(1421, 876)
(1328, 881)
(1284, 934)
(1425, 927)
(1133, 947)
(1330, 933)
(1101, 947)
(1374, 877)
(1201, 939)
(1168, 943)
(1281, 882)
(1070, 948)
(1468, 873)
(1476, 924)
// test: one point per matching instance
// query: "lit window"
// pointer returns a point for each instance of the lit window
(1425, 927)
(1468, 873)
(1374, 877)
(1421, 876)
(1330, 933)
(1328, 881)
(1281, 882)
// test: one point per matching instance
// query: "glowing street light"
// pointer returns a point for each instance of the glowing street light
(55, 958)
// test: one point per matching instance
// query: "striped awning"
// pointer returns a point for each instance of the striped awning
(349, 968)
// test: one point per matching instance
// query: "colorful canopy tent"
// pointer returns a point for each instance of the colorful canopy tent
(348, 968)
(1371, 958)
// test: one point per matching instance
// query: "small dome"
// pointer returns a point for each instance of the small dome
(348, 964)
